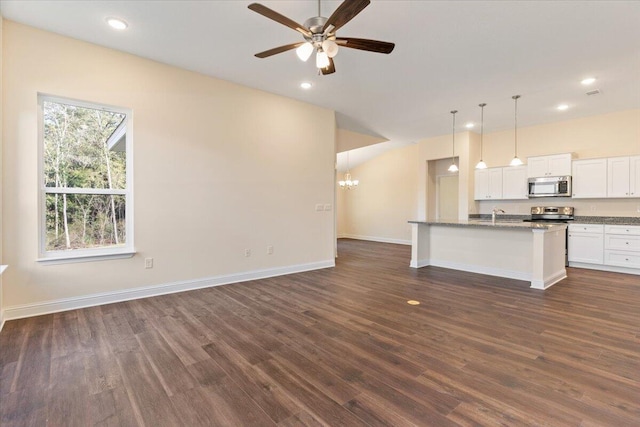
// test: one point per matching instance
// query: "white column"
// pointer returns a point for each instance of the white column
(548, 257)
(419, 245)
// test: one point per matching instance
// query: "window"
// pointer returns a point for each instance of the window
(85, 181)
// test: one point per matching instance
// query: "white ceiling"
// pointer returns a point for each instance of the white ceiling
(448, 55)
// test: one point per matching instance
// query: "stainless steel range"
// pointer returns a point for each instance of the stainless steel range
(551, 214)
(557, 215)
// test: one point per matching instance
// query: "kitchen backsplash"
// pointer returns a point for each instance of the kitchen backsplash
(583, 207)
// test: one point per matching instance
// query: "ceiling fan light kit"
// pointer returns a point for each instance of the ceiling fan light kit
(304, 51)
(320, 35)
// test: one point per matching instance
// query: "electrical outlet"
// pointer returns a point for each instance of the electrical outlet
(319, 207)
(247, 253)
(593, 208)
(327, 207)
(269, 250)
(148, 263)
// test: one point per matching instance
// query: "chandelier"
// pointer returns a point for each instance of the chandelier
(348, 183)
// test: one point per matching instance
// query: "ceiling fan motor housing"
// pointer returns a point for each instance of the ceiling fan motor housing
(315, 24)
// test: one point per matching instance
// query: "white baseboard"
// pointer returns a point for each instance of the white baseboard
(419, 263)
(489, 271)
(375, 239)
(54, 306)
(603, 267)
(550, 280)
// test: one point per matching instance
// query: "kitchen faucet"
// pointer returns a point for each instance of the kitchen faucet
(493, 214)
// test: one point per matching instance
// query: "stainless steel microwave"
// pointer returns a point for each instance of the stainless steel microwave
(550, 186)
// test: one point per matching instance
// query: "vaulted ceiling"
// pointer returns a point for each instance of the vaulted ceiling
(448, 55)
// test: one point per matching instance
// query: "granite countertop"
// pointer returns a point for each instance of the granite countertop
(607, 220)
(500, 223)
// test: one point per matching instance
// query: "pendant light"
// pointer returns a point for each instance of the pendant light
(348, 183)
(453, 167)
(516, 161)
(481, 164)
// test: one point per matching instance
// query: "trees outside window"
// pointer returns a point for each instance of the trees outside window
(85, 178)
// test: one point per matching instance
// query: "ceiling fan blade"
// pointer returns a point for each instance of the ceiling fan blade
(272, 14)
(278, 49)
(330, 69)
(344, 13)
(366, 44)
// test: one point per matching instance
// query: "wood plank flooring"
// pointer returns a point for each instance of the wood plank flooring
(337, 347)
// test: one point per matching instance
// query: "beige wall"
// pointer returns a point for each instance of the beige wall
(607, 135)
(438, 148)
(384, 200)
(218, 168)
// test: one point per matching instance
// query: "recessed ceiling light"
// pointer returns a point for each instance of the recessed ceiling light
(117, 23)
(588, 81)
(562, 107)
(469, 125)
(305, 85)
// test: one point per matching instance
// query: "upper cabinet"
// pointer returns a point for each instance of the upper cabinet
(623, 176)
(514, 182)
(554, 165)
(488, 184)
(501, 183)
(589, 178)
(634, 176)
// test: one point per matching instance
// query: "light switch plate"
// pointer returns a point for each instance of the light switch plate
(327, 207)
(319, 208)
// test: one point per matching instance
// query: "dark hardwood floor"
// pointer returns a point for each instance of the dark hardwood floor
(337, 347)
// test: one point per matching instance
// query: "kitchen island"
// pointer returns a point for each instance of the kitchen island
(513, 249)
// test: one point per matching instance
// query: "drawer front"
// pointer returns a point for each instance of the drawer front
(633, 230)
(622, 243)
(622, 259)
(587, 228)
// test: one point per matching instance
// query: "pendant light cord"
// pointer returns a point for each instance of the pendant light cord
(319, 9)
(515, 129)
(481, 129)
(453, 134)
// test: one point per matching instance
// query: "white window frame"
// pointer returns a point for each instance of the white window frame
(94, 254)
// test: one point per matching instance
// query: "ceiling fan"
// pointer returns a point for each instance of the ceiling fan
(320, 35)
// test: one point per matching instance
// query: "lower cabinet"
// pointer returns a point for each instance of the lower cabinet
(586, 243)
(622, 246)
(605, 247)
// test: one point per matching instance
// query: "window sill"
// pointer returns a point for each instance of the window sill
(69, 259)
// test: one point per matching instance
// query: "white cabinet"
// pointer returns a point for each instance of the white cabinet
(488, 184)
(586, 243)
(554, 165)
(623, 177)
(622, 246)
(514, 182)
(618, 176)
(589, 178)
(634, 176)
